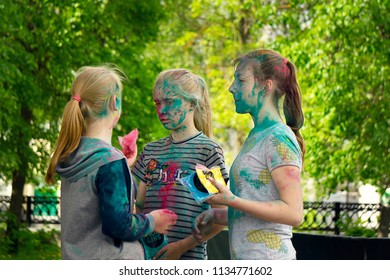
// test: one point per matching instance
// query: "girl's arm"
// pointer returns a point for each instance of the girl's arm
(114, 185)
(287, 210)
(220, 221)
(205, 222)
(176, 249)
(141, 194)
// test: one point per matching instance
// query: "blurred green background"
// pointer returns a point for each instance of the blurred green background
(341, 49)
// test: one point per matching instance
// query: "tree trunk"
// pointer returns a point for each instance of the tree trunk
(20, 173)
(18, 180)
(384, 222)
(16, 205)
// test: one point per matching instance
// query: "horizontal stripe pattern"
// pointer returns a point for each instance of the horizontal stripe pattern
(161, 164)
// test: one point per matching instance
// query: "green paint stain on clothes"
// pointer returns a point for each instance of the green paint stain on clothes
(247, 174)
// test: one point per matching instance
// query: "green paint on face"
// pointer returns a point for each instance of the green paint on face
(254, 93)
(238, 91)
(248, 98)
(260, 99)
(171, 106)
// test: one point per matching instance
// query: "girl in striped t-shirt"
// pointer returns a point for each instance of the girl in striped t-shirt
(183, 107)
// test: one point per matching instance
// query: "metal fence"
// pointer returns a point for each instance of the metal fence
(36, 210)
(339, 217)
(334, 217)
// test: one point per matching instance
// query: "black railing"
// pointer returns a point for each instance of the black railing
(36, 210)
(334, 217)
(340, 217)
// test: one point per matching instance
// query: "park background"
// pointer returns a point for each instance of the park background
(340, 48)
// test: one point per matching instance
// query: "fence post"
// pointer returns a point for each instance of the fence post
(384, 221)
(29, 210)
(337, 218)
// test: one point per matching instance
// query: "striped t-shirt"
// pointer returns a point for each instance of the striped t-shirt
(161, 164)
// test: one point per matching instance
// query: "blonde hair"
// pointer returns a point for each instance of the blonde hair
(193, 89)
(92, 90)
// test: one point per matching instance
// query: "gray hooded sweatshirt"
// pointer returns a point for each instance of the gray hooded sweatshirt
(96, 205)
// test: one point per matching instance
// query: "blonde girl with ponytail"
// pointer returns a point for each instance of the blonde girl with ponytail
(265, 196)
(96, 185)
(183, 107)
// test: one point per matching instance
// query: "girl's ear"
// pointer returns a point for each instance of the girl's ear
(192, 106)
(115, 103)
(268, 86)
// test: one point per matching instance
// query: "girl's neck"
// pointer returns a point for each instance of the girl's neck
(99, 129)
(266, 117)
(183, 133)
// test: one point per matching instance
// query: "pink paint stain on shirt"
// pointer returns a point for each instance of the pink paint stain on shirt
(168, 191)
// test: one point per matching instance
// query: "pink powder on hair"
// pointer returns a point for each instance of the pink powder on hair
(283, 69)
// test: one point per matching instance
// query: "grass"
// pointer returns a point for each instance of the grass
(24, 244)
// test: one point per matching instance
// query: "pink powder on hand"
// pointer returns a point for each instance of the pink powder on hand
(129, 143)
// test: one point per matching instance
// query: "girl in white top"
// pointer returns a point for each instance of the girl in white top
(265, 197)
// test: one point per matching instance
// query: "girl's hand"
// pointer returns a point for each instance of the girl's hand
(129, 146)
(171, 251)
(224, 196)
(131, 157)
(164, 219)
(203, 224)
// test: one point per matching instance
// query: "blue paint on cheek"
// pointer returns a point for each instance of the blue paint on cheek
(239, 102)
(253, 92)
(118, 103)
(182, 117)
(163, 109)
(176, 112)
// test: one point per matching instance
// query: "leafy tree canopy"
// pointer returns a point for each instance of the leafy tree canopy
(341, 50)
(42, 44)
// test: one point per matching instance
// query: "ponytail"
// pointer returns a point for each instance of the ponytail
(292, 105)
(202, 114)
(72, 128)
(92, 90)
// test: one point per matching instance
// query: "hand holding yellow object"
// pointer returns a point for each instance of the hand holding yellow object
(204, 173)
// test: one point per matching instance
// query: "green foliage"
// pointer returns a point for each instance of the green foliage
(42, 43)
(313, 219)
(27, 245)
(358, 227)
(341, 50)
(343, 56)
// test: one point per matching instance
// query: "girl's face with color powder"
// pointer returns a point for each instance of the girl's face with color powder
(172, 109)
(246, 92)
